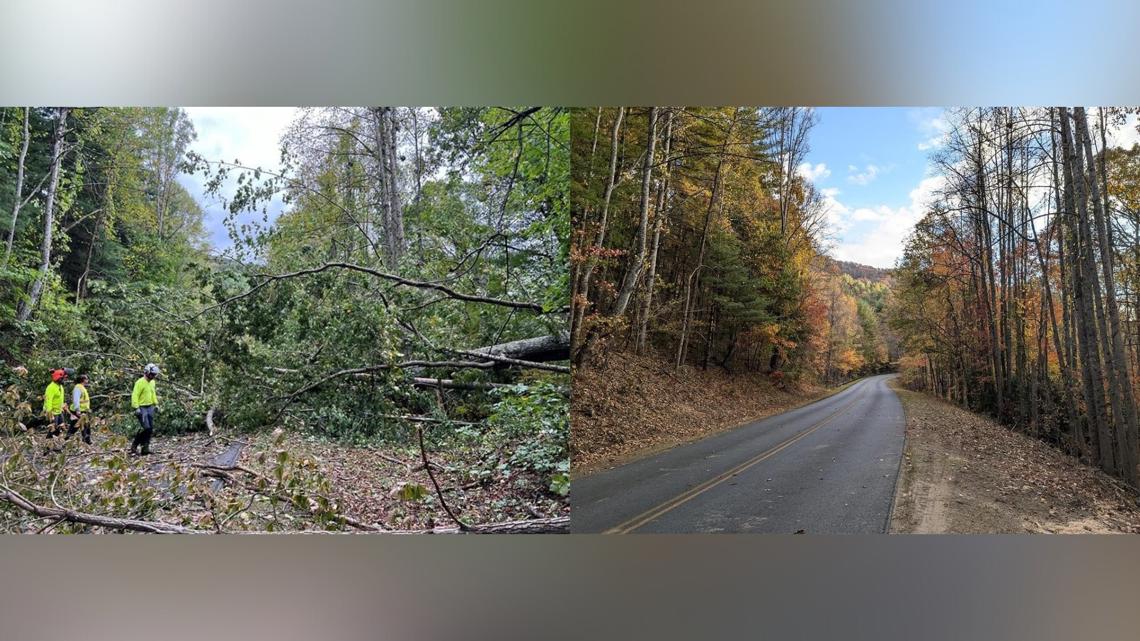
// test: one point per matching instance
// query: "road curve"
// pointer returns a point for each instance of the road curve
(825, 468)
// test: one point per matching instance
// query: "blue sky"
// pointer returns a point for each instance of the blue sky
(249, 134)
(871, 164)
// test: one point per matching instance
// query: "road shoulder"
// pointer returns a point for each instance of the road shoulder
(964, 473)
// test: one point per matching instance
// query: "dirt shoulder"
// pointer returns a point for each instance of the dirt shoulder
(964, 473)
(630, 406)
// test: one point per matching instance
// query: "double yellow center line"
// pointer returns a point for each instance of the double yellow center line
(691, 493)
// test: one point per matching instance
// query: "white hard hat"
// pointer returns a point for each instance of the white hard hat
(151, 368)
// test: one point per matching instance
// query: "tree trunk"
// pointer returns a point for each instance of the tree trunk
(392, 212)
(1098, 433)
(1122, 392)
(637, 262)
(659, 216)
(555, 347)
(26, 307)
(599, 243)
(18, 199)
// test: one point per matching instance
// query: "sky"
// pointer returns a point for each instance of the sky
(249, 134)
(871, 164)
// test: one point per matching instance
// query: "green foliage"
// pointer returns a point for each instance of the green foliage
(132, 281)
(536, 419)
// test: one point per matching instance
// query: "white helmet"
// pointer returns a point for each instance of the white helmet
(151, 368)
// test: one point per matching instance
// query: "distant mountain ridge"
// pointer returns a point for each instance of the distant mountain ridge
(860, 271)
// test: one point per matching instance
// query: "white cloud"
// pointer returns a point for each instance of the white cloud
(809, 172)
(865, 213)
(863, 177)
(933, 127)
(838, 215)
(1126, 135)
(250, 135)
(886, 228)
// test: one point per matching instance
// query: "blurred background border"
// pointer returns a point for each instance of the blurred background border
(586, 52)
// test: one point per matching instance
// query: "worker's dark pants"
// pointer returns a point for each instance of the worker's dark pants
(84, 423)
(146, 421)
(56, 425)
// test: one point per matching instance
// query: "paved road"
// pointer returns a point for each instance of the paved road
(825, 468)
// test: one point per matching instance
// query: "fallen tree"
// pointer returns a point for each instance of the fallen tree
(555, 347)
(74, 516)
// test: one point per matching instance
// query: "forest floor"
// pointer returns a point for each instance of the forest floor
(367, 482)
(627, 406)
(965, 473)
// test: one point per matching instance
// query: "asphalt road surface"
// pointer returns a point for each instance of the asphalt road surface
(825, 468)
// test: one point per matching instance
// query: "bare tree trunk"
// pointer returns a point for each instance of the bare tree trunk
(26, 307)
(1122, 385)
(18, 199)
(1099, 434)
(660, 213)
(394, 225)
(637, 262)
(987, 294)
(599, 243)
(393, 214)
(1064, 365)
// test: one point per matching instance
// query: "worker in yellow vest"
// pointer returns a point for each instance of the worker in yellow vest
(81, 407)
(144, 401)
(55, 409)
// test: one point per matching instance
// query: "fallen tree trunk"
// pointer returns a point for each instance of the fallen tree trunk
(555, 347)
(150, 527)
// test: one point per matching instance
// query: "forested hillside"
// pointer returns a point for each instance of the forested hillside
(385, 354)
(699, 244)
(1017, 293)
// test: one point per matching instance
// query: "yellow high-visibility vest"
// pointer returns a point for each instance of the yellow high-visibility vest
(84, 398)
(143, 394)
(53, 399)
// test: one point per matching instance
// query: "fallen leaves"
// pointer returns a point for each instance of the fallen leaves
(628, 404)
(1007, 481)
